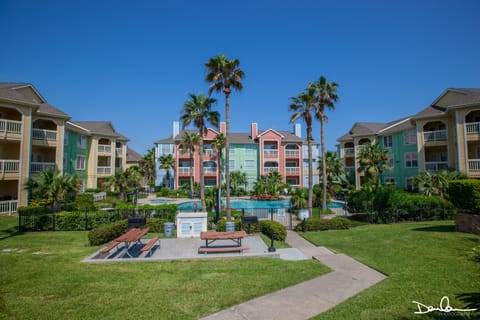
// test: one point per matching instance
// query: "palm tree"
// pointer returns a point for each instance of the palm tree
(274, 183)
(298, 198)
(373, 161)
(335, 170)
(148, 167)
(219, 143)
(123, 180)
(225, 75)
(237, 179)
(188, 144)
(167, 163)
(52, 185)
(326, 96)
(198, 110)
(437, 183)
(302, 106)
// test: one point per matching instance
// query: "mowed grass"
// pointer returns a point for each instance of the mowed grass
(42, 277)
(424, 262)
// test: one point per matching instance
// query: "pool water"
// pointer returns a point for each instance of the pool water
(160, 201)
(250, 204)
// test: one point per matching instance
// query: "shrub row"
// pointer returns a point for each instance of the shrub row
(107, 233)
(314, 224)
(465, 194)
(267, 227)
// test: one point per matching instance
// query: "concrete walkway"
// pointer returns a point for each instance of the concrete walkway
(309, 298)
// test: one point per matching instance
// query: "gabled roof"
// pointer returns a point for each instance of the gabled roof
(101, 128)
(133, 156)
(397, 126)
(270, 130)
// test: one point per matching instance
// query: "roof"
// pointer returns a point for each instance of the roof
(101, 127)
(375, 128)
(133, 156)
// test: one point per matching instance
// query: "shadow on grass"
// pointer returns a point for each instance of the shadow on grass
(437, 229)
(10, 232)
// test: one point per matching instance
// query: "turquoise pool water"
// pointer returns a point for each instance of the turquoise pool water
(161, 201)
(250, 204)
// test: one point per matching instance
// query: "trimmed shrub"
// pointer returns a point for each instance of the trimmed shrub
(221, 224)
(273, 228)
(465, 195)
(84, 202)
(107, 233)
(155, 225)
(337, 223)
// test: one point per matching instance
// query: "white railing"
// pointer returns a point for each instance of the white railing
(10, 126)
(292, 170)
(436, 166)
(9, 166)
(36, 167)
(102, 148)
(104, 170)
(210, 170)
(210, 152)
(349, 151)
(119, 151)
(437, 135)
(183, 154)
(267, 170)
(100, 196)
(292, 153)
(270, 152)
(473, 127)
(44, 134)
(474, 165)
(183, 170)
(8, 207)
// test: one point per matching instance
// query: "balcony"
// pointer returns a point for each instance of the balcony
(289, 153)
(119, 151)
(472, 127)
(432, 136)
(210, 152)
(349, 152)
(210, 171)
(104, 170)
(44, 134)
(183, 154)
(8, 207)
(37, 167)
(183, 171)
(270, 153)
(10, 126)
(104, 149)
(267, 170)
(292, 171)
(9, 166)
(436, 166)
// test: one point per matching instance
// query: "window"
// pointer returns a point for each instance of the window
(249, 149)
(410, 137)
(65, 138)
(80, 163)
(411, 160)
(391, 159)
(232, 149)
(389, 180)
(249, 164)
(387, 142)
(409, 184)
(81, 141)
(232, 165)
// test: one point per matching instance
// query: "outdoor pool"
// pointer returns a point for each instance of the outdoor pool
(161, 201)
(250, 204)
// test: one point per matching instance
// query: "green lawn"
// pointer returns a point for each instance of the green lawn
(42, 277)
(424, 262)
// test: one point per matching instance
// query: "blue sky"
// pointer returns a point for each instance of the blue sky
(134, 62)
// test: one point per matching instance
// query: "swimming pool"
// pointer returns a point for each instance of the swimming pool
(250, 204)
(161, 201)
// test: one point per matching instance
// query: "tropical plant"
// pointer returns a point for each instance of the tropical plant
(373, 161)
(219, 143)
(335, 172)
(299, 198)
(148, 167)
(50, 184)
(326, 96)
(237, 179)
(270, 184)
(302, 108)
(167, 163)
(225, 75)
(187, 145)
(198, 111)
(124, 180)
(437, 183)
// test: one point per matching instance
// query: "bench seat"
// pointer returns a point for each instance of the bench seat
(112, 245)
(221, 249)
(148, 247)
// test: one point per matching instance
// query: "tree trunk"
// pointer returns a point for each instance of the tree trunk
(202, 182)
(192, 152)
(310, 171)
(227, 153)
(324, 163)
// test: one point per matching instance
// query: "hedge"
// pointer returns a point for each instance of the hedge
(273, 228)
(107, 233)
(465, 194)
(314, 224)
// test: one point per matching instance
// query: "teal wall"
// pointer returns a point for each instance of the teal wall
(241, 153)
(70, 152)
(399, 171)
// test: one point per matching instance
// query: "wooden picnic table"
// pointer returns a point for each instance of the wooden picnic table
(212, 236)
(132, 236)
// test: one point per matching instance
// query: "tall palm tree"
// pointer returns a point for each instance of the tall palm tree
(51, 184)
(326, 96)
(148, 167)
(237, 179)
(335, 170)
(198, 110)
(219, 143)
(188, 144)
(373, 161)
(303, 106)
(123, 180)
(225, 75)
(167, 163)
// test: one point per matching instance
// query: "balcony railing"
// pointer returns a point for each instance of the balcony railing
(438, 135)
(473, 127)
(474, 165)
(349, 151)
(7, 166)
(44, 134)
(185, 154)
(436, 166)
(102, 148)
(104, 170)
(292, 153)
(210, 152)
(37, 167)
(119, 151)
(292, 171)
(270, 153)
(184, 171)
(8, 207)
(11, 126)
(267, 170)
(210, 170)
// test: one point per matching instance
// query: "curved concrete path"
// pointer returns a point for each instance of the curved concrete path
(309, 298)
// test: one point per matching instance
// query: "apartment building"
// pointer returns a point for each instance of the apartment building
(254, 152)
(36, 135)
(443, 136)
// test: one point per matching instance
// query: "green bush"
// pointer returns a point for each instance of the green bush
(76, 221)
(155, 225)
(273, 228)
(221, 224)
(465, 194)
(84, 202)
(107, 233)
(313, 224)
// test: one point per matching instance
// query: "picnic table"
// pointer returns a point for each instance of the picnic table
(130, 238)
(212, 236)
